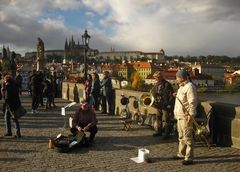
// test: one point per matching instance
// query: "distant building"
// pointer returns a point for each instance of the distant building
(72, 51)
(76, 51)
(127, 69)
(143, 68)
(216, 71)
(200, 80)
(131, 55)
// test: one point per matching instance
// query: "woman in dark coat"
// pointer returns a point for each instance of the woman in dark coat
(12, 101)
(95, 90)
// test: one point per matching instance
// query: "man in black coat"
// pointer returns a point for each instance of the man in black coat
(164, 101)
(12, 103)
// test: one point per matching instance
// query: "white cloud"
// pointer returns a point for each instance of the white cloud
(90, 14)
(99, 6)
(179, 27)
(66, 4)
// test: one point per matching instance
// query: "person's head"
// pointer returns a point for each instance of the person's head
(157, 76)
(89, 77)
(84, 105)
(7, 78)
(105, 74)
(94, 75)
(181, 76)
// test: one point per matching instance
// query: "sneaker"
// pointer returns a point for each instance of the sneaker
(8, 134)
(177, 157)
(187, 162)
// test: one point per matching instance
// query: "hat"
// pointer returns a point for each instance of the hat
(157, 74)
(182, 74)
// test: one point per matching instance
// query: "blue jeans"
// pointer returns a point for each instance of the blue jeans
(8, 123)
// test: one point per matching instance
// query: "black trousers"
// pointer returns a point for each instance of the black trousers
(108, 100)
(35, 100)
(93, 130)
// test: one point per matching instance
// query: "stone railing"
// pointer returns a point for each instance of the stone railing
(226, 117)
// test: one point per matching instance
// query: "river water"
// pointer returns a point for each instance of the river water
(221, 97)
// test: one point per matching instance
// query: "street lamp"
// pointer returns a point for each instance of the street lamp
(85, 40)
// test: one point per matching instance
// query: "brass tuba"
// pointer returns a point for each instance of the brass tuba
(146, 100)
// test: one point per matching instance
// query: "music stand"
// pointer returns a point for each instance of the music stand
(63, 112)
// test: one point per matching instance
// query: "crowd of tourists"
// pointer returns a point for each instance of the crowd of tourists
(100, 94)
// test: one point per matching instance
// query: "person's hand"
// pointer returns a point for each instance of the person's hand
(79, 128)
(174, 94)
(86, 128)
(189, 119)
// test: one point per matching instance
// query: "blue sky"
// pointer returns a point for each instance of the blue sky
(186, 27)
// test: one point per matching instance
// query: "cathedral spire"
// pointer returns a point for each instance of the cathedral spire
(66, 44)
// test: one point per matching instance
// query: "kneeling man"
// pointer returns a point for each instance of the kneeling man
(85, 120)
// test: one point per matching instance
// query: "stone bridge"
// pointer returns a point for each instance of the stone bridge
(112, 150)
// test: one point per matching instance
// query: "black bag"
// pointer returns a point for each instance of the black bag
(64, 144)
(21, 111)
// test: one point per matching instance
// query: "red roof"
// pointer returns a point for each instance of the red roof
(142, 64)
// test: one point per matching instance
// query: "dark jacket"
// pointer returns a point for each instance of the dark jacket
(83, 118)
(95, 90)
(106, 85)
(48, 90)
(12, 99)
(163, 95)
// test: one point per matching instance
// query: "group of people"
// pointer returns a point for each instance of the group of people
(100, 92)
(182, 105)
(167, 102)
(42, 85)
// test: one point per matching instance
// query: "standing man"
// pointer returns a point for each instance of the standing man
(36, 83)
(184, 112)
(107, 94)
(12, 103)
(164, 100)
(18, 81)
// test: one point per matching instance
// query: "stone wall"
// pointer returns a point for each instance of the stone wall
(225, 117)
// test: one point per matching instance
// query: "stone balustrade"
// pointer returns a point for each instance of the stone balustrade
(225, 117)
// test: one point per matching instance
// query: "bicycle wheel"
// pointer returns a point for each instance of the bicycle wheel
(123, 114)
(141, 120)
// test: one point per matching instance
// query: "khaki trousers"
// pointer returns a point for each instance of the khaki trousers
(185, 137)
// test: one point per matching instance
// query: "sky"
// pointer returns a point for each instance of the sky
(180, 27)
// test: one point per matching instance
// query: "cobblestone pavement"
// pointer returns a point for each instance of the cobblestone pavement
(112, 150)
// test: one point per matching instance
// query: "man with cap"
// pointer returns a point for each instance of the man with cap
(163, 95)
(107, 94)
(85, 120)
(184, 111)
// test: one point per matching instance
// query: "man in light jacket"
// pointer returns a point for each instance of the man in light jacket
(184, 112)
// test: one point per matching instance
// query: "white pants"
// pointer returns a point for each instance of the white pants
(185, 137)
